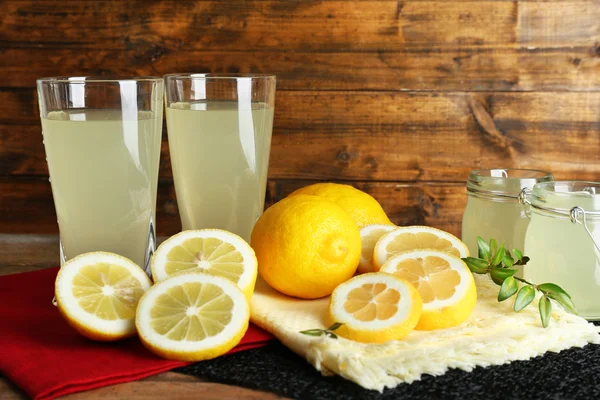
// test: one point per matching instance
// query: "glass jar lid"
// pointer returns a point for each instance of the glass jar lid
(504, 184)
(578, 201)
(560, 197)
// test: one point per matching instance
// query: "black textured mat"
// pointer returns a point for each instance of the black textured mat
(570, 374)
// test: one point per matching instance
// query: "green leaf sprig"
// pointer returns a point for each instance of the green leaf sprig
(499, 263)
(321, 332)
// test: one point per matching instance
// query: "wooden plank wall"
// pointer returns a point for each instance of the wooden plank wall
(400, 98)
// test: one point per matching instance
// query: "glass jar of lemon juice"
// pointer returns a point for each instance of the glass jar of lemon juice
(495, 207)
(563, 240)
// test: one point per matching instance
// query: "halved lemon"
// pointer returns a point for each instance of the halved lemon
(97, 293)
(414, 238)
(192, 317)
(369, 235)
(212, 251)
(444, 281)
(375, 307)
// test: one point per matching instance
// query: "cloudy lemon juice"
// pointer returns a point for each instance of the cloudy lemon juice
(220, 156)
(561, 250)
(104, 171)
(493, 208)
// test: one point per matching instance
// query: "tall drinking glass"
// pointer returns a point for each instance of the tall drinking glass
(219, 129)
(102, 139)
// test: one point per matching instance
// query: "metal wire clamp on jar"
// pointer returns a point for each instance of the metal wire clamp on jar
(563, 241)
(493, 208)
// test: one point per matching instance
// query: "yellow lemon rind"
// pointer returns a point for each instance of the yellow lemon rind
(380, 255)
(433, 316)
(306, 246)
(366, 260)
(361, 206)
(247, 281)
(396, 331)
(185, 350)
(81, 320)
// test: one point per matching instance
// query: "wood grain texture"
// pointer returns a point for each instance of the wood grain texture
(376, 93)
(445, 69)
(8, 391)
(165, 385)
(295, 25)
(23, 253)
(171, 385)
(26, 204)
(386, 136)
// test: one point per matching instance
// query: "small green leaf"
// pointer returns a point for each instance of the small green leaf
(524, 297)
(508, 261)
(483, 248)
(545, 310)
(493, 247)
(498, 256)
(313, 332)
(509, 287)
(518, 254)
(476, 265)
(563, 298)
(500, 274)
(335, 326)
(332, 335)
(552, 288)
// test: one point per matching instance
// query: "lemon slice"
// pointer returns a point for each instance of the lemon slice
(369, 235)
(192, 317)
(414, 238)
(97, 293)
(212, 251)
(375, 307)
(444, 281)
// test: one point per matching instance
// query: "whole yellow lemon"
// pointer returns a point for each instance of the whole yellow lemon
(362, 207)
(306, 246)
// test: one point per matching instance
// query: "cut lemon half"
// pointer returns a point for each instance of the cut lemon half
(375, 307)
(212, 251)
(369, 235)
(192, 317)
(414, 238)
(97, 293)
(444, 281)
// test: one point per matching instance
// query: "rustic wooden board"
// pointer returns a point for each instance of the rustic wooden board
(165, 385)
(309, 25)
(385, 136)
(26, 204)
(446, 69)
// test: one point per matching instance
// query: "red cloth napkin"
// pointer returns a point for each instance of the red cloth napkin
(46, 358)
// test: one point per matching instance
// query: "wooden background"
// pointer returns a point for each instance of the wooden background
(400, 98)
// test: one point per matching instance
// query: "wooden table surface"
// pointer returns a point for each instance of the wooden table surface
(22, 253)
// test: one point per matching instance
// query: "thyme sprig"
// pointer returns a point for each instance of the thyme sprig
(500, 264)
(321, 332)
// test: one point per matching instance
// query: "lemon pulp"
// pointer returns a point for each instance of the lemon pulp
(209, 255)
(372, 301)
(193, 311)
(432, 276)
(108, 291)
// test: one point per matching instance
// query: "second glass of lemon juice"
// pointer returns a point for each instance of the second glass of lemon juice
(219, 129)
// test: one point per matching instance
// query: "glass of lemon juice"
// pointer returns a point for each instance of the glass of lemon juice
(102, 140)
(219, 129)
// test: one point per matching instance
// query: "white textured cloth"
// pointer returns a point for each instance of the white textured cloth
(493, 335)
